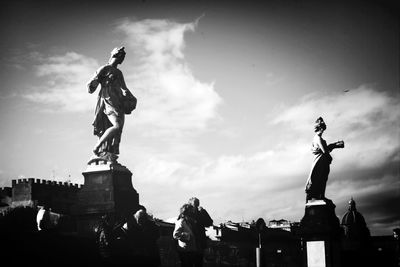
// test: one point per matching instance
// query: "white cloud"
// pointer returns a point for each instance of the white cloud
(64, 82)
(272, 180)
(229, 184)
(366, 119)
(171, 101)
(170, 98)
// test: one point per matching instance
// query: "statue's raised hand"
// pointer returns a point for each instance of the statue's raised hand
(340, 144)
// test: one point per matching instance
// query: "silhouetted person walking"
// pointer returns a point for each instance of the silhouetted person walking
(202, 220)
(187, 233)
(143, 234)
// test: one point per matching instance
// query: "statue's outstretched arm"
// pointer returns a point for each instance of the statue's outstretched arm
(338, 144)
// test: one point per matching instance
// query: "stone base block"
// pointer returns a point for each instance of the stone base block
(107, 190)
(320, 233)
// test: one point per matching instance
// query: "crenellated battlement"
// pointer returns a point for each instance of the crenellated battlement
(41, 182)
(60, 196)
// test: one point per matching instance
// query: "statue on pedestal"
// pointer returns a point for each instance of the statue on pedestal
(318, 177)
(114, 101)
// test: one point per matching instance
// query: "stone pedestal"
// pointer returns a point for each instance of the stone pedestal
(320, 233)
(107, 190)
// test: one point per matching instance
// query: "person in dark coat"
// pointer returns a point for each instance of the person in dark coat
(143, 234)
(186, 232)
(202, 220)
(112, 240)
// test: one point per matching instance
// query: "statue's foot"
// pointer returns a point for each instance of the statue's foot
(311, 200)
(92, 159)
(96, 151)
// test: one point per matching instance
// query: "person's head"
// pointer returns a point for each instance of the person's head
(117, 55)
(141, 207)
(140, 216)
(319, 125)
(195, 202)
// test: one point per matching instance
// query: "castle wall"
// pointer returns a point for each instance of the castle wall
(59, 196)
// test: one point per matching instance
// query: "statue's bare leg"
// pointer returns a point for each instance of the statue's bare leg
(117, 124)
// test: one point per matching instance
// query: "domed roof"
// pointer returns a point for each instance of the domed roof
(354, 222)
(352, 216)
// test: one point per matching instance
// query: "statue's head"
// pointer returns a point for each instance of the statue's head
(319, 125)
(118, 54)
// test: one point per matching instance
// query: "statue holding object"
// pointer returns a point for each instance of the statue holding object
(318, 177)
(113, 102)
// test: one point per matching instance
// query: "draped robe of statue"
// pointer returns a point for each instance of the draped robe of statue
(109, 101)
(318, 177)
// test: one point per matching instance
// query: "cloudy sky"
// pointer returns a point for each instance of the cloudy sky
(227, 96)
